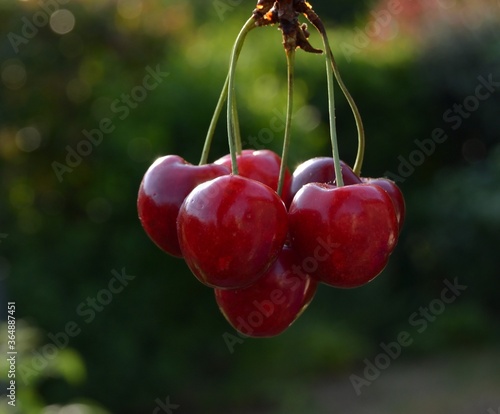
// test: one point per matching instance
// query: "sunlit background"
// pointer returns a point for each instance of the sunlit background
(78, 129)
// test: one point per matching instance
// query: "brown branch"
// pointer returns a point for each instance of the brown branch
(286, 13)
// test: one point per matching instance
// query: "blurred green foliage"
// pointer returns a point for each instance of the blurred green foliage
(66, 367)
(163, 335)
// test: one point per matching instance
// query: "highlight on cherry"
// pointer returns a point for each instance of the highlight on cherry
(262, 237)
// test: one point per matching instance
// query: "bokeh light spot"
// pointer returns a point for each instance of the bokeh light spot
(21, 195)
(51, 409)
(28, 139)
(308, 118)
(266, 87)
(75, 409)
(13, 74)
(62, 21)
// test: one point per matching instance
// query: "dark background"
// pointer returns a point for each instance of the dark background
(162, 336)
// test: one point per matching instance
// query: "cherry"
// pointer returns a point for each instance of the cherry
(260, 165)
(358, 225)
(234, 231)
(231, 229)
(164, 187)
(271, 304)
(320, 170)
(394, 192)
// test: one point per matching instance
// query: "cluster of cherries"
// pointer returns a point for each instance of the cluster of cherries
(265, 254)
(261, 237)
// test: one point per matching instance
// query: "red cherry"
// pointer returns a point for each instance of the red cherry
(260, 165)
(164, 187)
(271, 304)
(320, 170)
(394, 192)
(231, 229)
(356, 225)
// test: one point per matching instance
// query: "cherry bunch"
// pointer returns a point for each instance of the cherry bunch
(260, 236)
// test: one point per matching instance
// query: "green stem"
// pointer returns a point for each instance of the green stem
(357, 116)
(218, 110)
(232, 137)
(213, 123)
(237, 131)
(331, 111)
(290, 61)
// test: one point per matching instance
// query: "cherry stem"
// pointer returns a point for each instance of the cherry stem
(220, 104)
(331, 112)
(234, 138)
(237, 131)
(213, 123)
(357, 116)
(290, 61)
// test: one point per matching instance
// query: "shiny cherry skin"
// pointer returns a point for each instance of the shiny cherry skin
(356, 224)
(163, 189)
(270, 305)
(320, 170)
(231, 229)
(260, 165)
(394, 192)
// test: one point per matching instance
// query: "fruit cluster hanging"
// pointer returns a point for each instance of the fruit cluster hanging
(260, 237)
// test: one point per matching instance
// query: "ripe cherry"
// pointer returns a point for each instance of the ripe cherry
(260, 165)
(359, 224)
(164, 187)
(394, 192)
(271, 304)
(320, 170)
(231, 229)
